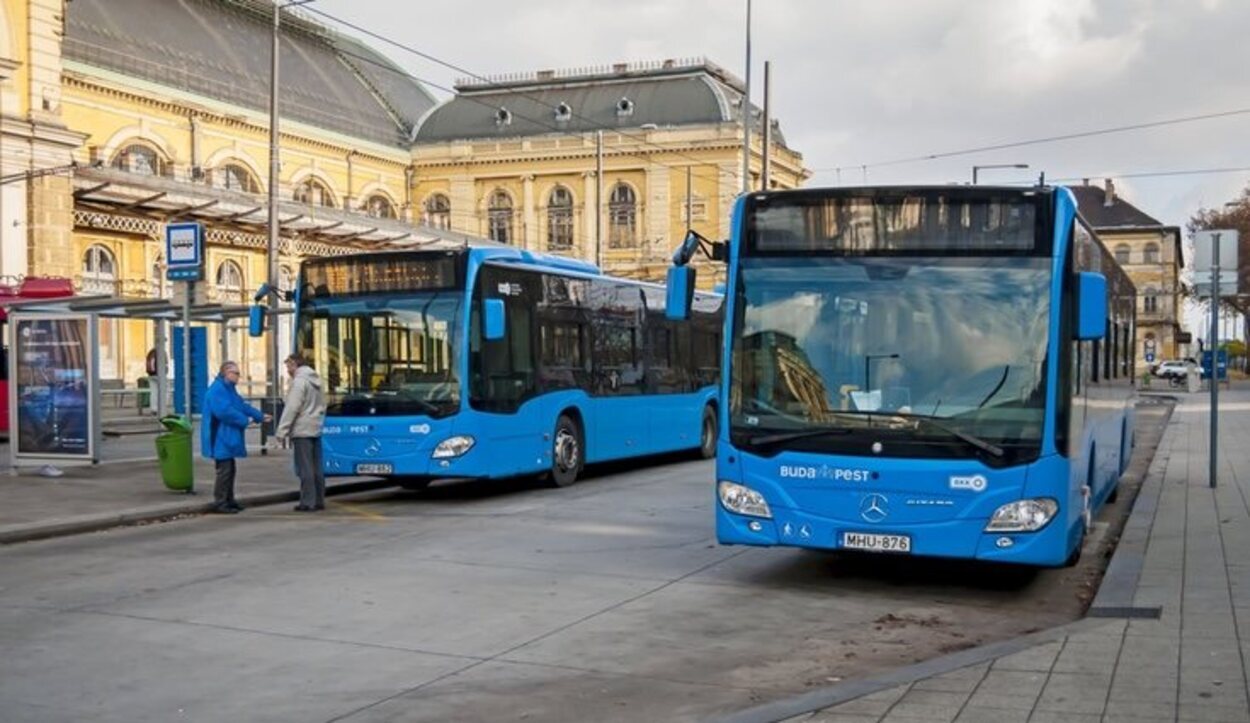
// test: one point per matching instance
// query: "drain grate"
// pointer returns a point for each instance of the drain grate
(1135, 613)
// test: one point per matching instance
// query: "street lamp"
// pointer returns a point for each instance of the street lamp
(995, 165)
(271, 275)
(868, 359)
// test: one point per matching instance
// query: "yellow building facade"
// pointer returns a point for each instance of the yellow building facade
(121, 116)
(515, 158)
(1151, 254)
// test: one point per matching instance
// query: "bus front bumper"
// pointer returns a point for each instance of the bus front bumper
(966, 539)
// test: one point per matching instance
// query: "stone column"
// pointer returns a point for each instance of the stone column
(656, 228)
(589, 246)
(463, 206)
(529, 215)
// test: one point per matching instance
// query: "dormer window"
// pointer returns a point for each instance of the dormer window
(564, 113)
(503, 117)
(624, 108)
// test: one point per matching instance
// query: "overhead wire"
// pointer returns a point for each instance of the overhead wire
(1036, 141)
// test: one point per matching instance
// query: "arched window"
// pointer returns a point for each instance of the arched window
(313, 192)
(1150, 254)
(622, 217)
(438, 211)
(499, 216)
(235, 177)
(230, 283)
(142, 159)
(1121, 254)
(379, 206)
(99, 271)
(560, 220)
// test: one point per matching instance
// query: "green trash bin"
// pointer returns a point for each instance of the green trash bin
(174, 450)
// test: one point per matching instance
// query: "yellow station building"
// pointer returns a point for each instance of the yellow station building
(161, 109)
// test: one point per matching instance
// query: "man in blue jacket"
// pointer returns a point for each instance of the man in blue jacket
(226, 417)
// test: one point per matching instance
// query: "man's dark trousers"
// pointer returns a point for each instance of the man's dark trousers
(312, 478)
(223, 487)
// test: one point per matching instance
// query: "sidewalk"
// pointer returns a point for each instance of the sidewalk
(128, 490)
(1166, 639)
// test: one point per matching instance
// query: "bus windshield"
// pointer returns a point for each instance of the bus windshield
(857, 345)
(385, 355)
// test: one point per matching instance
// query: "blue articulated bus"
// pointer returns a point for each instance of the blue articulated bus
(488, 362)
(941, 371)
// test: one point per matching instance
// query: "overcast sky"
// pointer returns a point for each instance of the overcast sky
(869, 81)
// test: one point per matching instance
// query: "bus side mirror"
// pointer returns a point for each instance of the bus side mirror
(1091, 302)
(679, 292)
(256, 321)
(494, 319)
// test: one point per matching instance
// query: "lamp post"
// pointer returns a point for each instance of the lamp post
(868, 359)
(995, 165)
(271, 263)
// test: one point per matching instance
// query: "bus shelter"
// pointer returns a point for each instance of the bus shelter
(58, 400)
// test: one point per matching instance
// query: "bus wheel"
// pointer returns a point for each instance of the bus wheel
(708, 433)
(566, 453)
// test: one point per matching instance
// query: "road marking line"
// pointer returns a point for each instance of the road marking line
(361, 512)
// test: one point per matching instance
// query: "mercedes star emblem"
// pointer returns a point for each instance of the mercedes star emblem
(874, 508)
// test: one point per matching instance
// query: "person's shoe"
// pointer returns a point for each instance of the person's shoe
(318, 507)
(235, 506)
(303, 508)
(223, 510)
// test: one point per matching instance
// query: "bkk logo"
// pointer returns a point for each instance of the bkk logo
(976, 482)
(837, 474)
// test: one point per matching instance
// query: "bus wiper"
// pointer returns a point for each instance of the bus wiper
(768, 439)
(977, 442)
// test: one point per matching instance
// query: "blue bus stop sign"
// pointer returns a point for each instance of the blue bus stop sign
(184, 252)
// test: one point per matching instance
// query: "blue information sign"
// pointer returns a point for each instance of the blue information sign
(1150, 357)
(1221, 364)
(184, 252)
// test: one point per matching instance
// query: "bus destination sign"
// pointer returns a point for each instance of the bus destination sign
(379, 275)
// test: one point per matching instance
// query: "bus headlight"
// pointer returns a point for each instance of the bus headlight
(453, 447)
(1023, 515)
(743, 500)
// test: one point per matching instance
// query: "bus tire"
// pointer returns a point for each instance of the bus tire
(567, 452)
(708, 431)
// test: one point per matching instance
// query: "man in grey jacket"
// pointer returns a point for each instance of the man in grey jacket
(301, 422)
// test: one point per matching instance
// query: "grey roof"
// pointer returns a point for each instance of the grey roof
(1119, 215)
(221, 49)
(665, 94)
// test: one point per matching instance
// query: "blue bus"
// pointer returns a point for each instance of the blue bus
(488, 362)
(940, 371)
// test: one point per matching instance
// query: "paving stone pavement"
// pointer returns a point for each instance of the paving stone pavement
(1193, 568)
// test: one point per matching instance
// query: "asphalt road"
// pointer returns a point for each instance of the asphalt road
(605, 601)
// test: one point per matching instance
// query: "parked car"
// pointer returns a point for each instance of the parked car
(1173, 368)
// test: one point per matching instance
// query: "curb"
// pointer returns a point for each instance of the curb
(14, 534)
(1112, 602)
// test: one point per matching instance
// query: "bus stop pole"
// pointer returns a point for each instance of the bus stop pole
(162, 367)
(1214, 345)
(186, 349)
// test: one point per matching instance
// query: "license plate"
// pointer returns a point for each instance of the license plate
(870, 542)
(374, 469)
